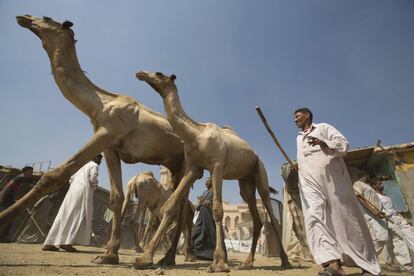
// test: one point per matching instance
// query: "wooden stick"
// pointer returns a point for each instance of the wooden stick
(373, 209)
(259, 111)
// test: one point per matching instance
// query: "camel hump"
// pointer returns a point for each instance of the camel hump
(227, 127)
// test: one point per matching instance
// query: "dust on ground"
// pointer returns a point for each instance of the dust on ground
(29, 259)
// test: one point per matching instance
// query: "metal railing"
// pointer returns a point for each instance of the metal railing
(38, 166)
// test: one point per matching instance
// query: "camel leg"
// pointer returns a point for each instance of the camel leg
(54, 179)
(113, 164)
(248, 193)
(142, 216)
(219, 264)
(187, 222)
(262, 186)
(138, 213)
(169, 258)
(168, 210)
(184, 226)
(150, 224)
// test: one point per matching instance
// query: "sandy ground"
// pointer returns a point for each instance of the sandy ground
(23, 259)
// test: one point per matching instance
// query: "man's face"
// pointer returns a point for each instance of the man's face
(379, 186)
(98, 160)
(301, 119)
(208, 183)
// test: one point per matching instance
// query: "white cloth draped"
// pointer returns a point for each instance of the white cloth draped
(377, 227)
(335, 227)
(73, 223)
(402, 236)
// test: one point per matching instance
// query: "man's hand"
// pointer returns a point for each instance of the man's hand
(379, 214)
(313, 141)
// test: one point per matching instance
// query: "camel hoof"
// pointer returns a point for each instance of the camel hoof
(286, 265)
(246, 266)
(218, 268)
(139, 250)
(143, 263)
(106, 259)
(166, 261)
(190, 258)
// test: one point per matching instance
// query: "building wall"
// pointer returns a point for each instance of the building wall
(235, 214)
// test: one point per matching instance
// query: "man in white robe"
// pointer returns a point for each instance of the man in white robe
(382, 235)
(73, 223)
(402, 234)
(371, 209)
(336, 231)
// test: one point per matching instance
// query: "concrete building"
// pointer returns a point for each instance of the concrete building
(239, 222)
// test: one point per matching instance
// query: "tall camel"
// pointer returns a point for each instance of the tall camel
(124, 129)
(151, 193)
(226, 156)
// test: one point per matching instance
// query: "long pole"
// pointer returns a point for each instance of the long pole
(259, 111)
(373, 209)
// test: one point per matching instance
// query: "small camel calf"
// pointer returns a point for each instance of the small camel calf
(152, 195)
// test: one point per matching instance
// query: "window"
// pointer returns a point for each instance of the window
(227, 222)
(236, 221)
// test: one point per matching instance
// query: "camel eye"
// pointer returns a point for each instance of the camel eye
(159, 74)
(47, 18)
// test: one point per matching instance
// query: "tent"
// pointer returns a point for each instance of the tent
(32, 225)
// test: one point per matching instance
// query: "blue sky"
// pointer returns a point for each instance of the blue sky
(350, 62)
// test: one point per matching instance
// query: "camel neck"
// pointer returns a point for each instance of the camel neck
(73, 83)
(183, 125)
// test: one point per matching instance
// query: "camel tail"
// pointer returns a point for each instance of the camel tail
(262, 185)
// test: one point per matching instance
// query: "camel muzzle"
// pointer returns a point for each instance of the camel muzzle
(27, 22)
(141, 75)
(24, 21)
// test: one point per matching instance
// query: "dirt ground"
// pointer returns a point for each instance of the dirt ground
(24, 259)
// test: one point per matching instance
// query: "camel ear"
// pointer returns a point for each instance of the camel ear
(173, 77)
(67, 24)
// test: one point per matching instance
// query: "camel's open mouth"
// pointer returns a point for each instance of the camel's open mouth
(26, 21)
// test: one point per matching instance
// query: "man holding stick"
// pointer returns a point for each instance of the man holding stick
(401, 233)
(336, 231)
(382, 235)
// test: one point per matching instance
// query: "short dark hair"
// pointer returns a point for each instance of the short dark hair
(27, 168)
(304, 110)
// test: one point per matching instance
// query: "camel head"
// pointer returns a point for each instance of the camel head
(52, 33)
(157, 80)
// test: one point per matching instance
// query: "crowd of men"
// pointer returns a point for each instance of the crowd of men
(347, 224)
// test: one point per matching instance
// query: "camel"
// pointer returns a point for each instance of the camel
(124, 129)
(226, 156)
(151, 193)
